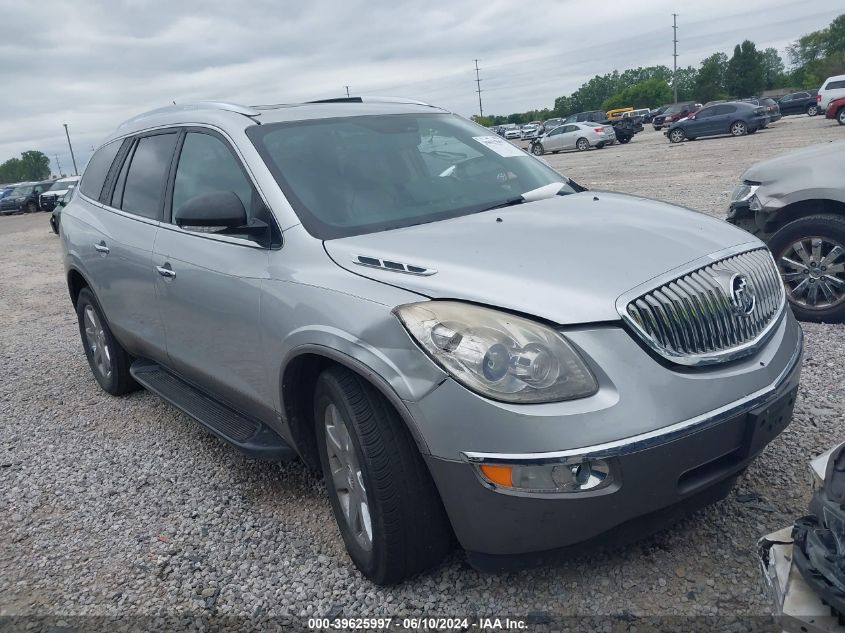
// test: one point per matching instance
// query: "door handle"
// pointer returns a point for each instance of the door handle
(101, 248)
(166, 271)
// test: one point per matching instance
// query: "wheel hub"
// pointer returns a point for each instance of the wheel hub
(813, 272)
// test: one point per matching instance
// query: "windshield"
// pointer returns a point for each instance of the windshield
(353, 175)
(62, 185)
(678, 107)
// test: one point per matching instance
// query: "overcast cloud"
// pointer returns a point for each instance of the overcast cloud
(92, 64)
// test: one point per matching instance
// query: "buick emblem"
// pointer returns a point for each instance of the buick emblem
(742, 295)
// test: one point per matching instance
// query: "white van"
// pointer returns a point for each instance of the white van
(832, 88)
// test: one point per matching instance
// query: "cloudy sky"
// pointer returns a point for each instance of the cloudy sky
(93, 63)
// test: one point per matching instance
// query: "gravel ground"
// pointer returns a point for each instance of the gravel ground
(125, 507)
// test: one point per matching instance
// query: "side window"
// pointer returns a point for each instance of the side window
(206, 165)
(97, 169)
(143, 191)
(707, 113)
(570, 128)
(835, 85)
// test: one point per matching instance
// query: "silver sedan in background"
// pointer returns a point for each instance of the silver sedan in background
(580, 136)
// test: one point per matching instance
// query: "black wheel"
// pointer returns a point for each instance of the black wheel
(624, 139)
(385, 503)
(739, 128)
(109, 362)
(812, 110)
(53, 224)
(810, 255)
(31, 207)
(677, 135)
(537, 149)
(657, 128)
(599, 145)
(582, 144)
(840, 116)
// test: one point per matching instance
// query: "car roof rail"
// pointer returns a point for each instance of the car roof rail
(192, 106)
(372, 99)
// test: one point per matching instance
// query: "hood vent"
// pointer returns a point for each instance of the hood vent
(396, 267)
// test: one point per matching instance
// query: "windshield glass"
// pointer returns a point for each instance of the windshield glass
(678, 107)
(62, 185)
(353, 175)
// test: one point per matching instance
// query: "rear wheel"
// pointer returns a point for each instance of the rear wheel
(739, 128)
(582, 144)
(109, 362)
(31, 207)
(812, 110)
(537, 149)
(677, 135)
(810, 255)
(384, 500)
(840, 116)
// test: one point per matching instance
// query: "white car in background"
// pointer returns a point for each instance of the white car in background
(47, 200)
(513, 132)
(832, 88)
(580, 136)
(532, 130)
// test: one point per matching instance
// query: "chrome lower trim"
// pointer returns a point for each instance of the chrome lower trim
(654, 438)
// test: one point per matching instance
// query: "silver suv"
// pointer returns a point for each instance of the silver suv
(466, 343)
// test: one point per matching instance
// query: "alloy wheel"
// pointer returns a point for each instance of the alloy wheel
(347, 478)
(841, 116)
(676, 136)
(812, 110)
(583, 144)
(738, 128)
(95, 336)
(813, 272)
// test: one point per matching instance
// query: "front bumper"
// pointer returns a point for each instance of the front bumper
(655, 474)
(10, 206)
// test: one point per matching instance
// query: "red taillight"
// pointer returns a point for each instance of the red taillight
(598, 129)
(819, 98)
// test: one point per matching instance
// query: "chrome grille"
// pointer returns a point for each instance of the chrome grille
(698, 318)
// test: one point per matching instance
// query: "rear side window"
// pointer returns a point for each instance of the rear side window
(143, 191)
(835, 85)
(97, 169)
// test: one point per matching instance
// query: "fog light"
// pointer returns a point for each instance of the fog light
(574, 474)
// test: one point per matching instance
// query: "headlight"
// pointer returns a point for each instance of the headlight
(743, 192)
(496, 354)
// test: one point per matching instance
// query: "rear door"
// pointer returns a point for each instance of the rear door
(209, 284)
(119, 255)
(723, 115)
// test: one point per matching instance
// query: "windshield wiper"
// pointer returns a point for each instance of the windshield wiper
(540, 193)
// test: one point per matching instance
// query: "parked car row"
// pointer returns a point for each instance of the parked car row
(30, 197)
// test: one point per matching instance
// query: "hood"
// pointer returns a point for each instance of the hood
(565, 259)
(804, 161)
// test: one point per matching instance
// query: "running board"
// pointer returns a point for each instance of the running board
(250, 436)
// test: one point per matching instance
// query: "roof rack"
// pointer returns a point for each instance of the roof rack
(359, 99)
(196, 105)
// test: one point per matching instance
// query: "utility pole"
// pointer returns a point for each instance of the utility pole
(58, 164)
(347, 90)
(72, 157)
(675, 55)
(478, 90)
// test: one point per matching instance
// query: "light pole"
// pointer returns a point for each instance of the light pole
(675, 55)
(58, 164)
(72, 157)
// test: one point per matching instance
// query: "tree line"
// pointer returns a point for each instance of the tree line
(748, 72)
(32, 165)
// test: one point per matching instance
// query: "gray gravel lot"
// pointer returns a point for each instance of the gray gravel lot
(116, 506)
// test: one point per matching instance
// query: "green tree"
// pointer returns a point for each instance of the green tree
(745, 76)
(710, 80)
(35, 165)
(773, 69)
(11, 171)
(646, 94)
(686, 84)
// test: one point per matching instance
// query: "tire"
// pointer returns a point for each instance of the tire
(53, 224)
(677, 135)
(111, 370)
(537, 149)
(826, 227)
(582, 144)
(812, 110)
(840, 116)
(739, 128)
(623, 140)
(409, 531)
(657, 128)
(599, 145)
(31, 207)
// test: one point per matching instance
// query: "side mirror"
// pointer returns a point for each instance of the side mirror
(691, 117)
(219, 208)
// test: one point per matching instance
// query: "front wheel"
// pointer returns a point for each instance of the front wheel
(676, 136)
(624, 139)
(812, 110)
(537, 149)
(384, 500)
(31, 207)
(582, 144)
(810, 255)
(840, 116)
(738, 128)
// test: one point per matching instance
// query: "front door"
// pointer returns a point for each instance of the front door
(209, 285)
